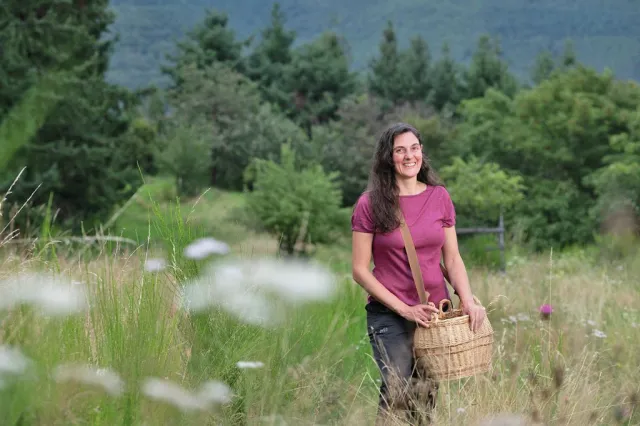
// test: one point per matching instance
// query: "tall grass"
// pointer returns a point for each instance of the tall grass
(579, 367)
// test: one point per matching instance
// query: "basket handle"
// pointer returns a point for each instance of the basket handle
(445, 302)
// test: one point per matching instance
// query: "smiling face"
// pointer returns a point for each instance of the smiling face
(407, 156)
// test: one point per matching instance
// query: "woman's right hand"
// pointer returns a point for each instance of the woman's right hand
(420, 314)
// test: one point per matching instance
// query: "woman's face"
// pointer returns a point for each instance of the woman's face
(407, 155)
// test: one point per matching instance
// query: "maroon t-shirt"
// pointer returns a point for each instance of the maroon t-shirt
(426, 214)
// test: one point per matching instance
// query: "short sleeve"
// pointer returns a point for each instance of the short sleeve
(362, 219)
(449, 211)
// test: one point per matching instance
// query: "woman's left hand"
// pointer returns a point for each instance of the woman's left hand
(476, 313)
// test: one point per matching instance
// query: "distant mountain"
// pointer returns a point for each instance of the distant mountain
(606, 33)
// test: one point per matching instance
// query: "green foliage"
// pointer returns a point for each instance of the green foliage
(208, 42)
(80, 150)
(319, 78)
(268, 62)
(384, 79)
(185, 154)
(488, 70)
(555, 135)
(481, 190)
(401, 76)
(298, 206)
(241, 127)
(617, 184)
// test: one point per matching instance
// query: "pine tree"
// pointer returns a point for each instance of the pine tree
(446, 90)
(318, 79)
(488, 69)
(415, 71)
(210, 41)
(268, 62)
(384, 79)
(81, 154)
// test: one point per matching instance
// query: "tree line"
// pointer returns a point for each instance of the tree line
(294, 126)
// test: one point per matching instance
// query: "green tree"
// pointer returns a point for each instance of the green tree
(415, 72)
(488, 70)
(184, 152)
(446, 86)
(241, 125)
(481, 190)
(210, 41)
(554, 135)
(385, 79)
(268, 62)
(81, 151)
(298, 206)
(318, 79)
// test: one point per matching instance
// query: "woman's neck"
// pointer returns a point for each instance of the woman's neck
(410, 187)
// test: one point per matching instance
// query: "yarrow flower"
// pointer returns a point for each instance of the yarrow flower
(249, 364)
(210, 393)
(545, 311)
(103, 377)
(204, 247)
(154, 265)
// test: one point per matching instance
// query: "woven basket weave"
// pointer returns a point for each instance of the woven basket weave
(449, 350)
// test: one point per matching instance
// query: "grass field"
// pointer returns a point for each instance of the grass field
(121, 347)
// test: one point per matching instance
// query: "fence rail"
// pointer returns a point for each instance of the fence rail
(499, 230)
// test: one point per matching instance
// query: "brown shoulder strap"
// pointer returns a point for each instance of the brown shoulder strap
(413, 261)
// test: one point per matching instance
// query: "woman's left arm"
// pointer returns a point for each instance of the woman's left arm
(460, 279)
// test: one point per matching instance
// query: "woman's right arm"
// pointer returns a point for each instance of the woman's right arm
(361, 260)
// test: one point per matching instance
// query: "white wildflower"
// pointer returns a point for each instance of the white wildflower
(215, 392)
(600, 334)
(204, 247)
(103, 377)
(249, 364)
(592, 323)
(154, 265)
(50, 293)
(12, 361)
(212, 392)
(253, 289)
(460, 410)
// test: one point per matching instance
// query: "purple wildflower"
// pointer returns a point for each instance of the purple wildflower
(545, 311)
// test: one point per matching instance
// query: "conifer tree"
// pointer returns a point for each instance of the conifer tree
(82, 153)
(385, 80)
(268, 62)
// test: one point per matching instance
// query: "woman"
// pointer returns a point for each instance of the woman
(401, 178)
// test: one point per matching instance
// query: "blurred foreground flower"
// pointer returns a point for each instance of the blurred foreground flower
(50, 293)
(545, 311)
(154, 265)
(210, 393)
(12, 361)
(249, 364)
(254, 289)
(87, 374)
(199, 249)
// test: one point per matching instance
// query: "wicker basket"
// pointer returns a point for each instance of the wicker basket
(449, 350)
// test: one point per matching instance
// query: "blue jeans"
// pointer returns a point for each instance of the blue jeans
(405, 389)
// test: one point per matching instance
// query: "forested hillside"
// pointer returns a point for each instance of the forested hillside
(605, 33)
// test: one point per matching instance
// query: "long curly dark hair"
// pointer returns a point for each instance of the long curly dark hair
(383, 190)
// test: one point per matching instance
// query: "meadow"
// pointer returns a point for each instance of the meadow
(116, 334)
